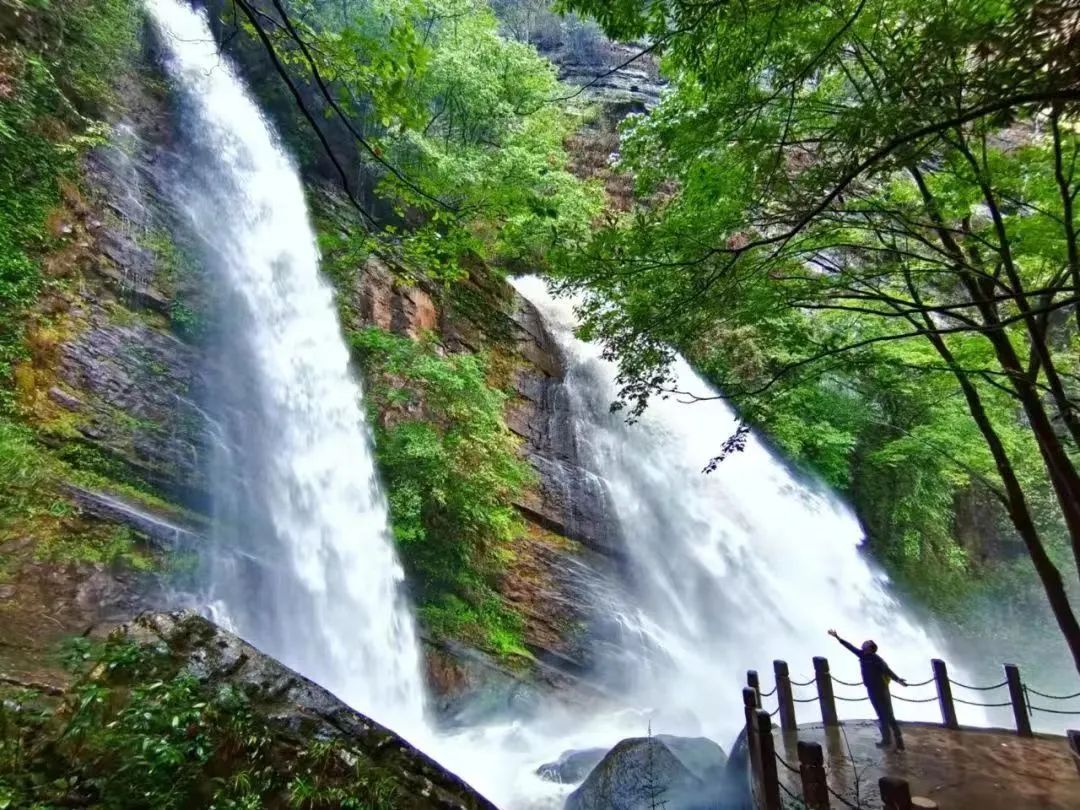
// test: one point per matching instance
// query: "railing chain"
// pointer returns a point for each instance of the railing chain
(1051, 711)
(1052, 697)
(979, 688)
(983, 705)
(916, 700)
(840, 798)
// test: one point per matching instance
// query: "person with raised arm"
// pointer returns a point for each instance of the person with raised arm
(876, 676)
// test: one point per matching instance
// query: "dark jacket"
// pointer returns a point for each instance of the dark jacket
(875, 672)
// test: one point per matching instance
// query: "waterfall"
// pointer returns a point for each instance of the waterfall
(301, 564)
(729, 570)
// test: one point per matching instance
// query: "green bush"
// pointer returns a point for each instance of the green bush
(452, 472)
(138, 731)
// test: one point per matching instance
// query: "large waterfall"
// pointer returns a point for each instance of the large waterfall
(731, 569)
(728, 570)
(302, 562)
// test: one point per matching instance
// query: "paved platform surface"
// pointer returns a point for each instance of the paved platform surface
(972, 769)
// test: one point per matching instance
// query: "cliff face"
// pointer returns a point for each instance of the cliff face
(113, 388)
(566, 555)
(107, 385)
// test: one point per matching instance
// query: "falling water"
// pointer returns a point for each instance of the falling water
(728, 571)
(302, 564)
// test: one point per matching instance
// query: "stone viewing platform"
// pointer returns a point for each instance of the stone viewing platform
(834, 764)
(982, 769)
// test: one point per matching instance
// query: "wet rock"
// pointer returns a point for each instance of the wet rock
(64, 399)
(704, 758)
(572, 766)
(381, 298)
(645, 772)
(297, 709)
(166, 531)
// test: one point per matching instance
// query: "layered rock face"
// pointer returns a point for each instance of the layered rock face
(565, 562)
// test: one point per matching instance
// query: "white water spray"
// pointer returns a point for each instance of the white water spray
(302, 563)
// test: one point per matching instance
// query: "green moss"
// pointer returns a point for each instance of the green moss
(43, 128)
(99, 544)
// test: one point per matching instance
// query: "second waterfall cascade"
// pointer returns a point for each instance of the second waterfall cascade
(730, 569)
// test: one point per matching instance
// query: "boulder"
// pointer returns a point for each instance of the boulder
(299, 711)
(572, 766)
(645, 772)
(702, 757)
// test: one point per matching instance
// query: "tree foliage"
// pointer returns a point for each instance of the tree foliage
(138, 731)
(872, 223)
(447, 120)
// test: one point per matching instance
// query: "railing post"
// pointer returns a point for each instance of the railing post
(1019, 703)
(944, 694)
(784, 696)
(895, 793)
(1073, 737)
(754, 683)
(770, 780)
(825, 691)
(752, 745)
(812, 770)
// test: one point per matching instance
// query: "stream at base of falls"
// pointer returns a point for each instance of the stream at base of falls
(730, 570)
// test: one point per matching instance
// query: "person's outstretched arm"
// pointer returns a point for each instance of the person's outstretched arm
(892, 675)
(847, 644)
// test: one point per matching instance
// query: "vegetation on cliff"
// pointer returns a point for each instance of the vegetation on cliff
(55, 60)
(452, 472)
(872, 248)
(445, 135)
(171, 712)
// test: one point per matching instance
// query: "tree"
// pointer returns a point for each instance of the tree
(892, 186)
(434, 125)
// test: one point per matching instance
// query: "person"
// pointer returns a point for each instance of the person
(876, 676)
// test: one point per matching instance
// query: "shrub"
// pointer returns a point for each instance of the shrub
(452, 471)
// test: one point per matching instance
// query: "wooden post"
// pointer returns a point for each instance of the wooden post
(895, 793)
(784, 696)
(1074, 746)
(754, 683)
(751, 735)
(812, 770)
(1019, 704)
(770, 780)
(825, 691)
(944, 694)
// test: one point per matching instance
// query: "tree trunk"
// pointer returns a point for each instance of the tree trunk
(1019, 512)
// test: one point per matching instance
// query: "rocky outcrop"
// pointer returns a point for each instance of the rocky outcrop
(113, 376)
(562, 565)
(298, 710)
(571, 767)
(679, 773)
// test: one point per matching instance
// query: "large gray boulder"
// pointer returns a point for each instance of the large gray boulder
(677, 773)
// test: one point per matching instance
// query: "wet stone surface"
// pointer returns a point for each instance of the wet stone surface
(974, 768)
